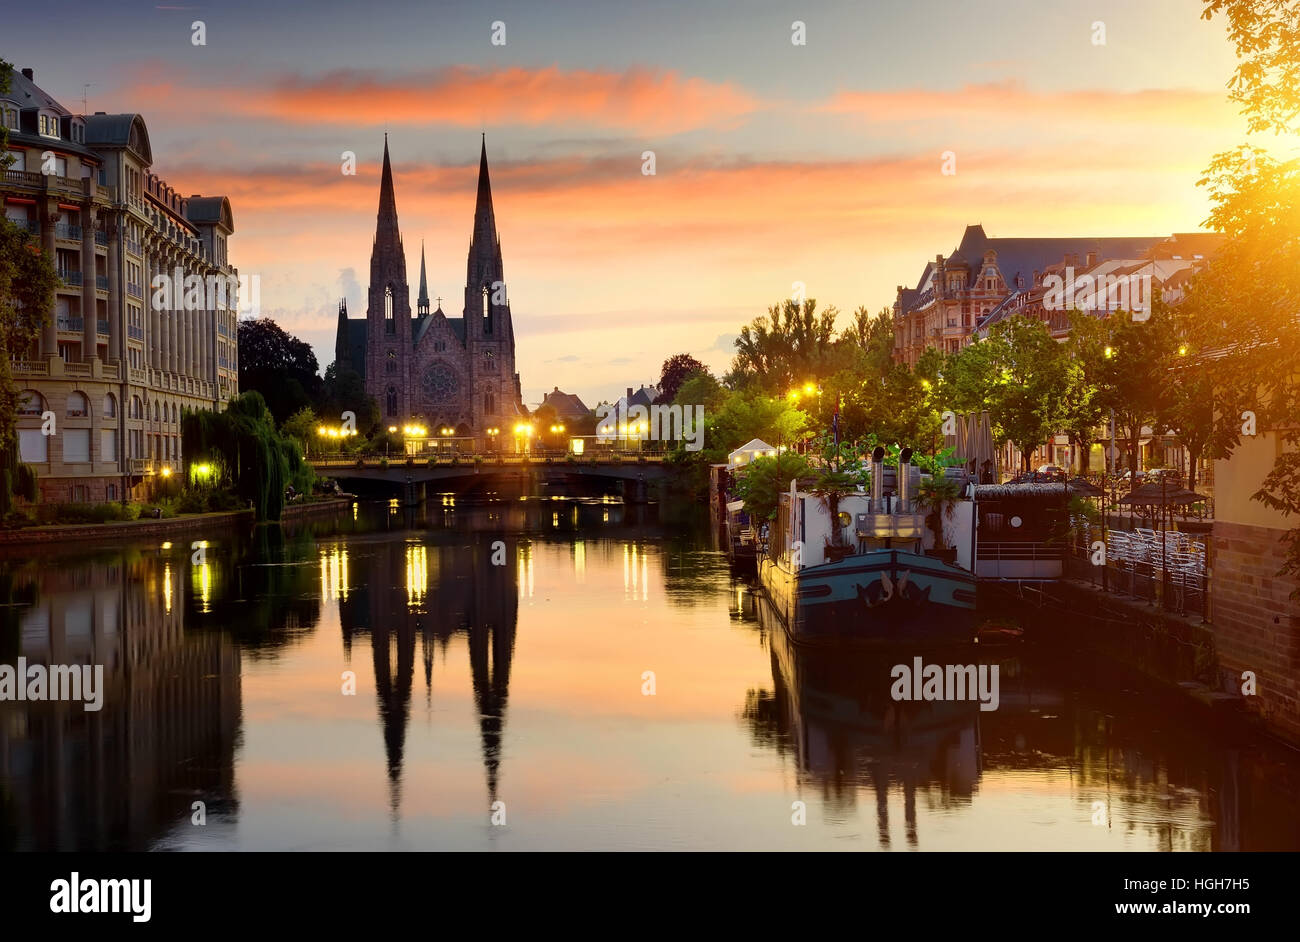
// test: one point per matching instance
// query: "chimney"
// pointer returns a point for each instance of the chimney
(877, 478)
(904, 479)
(629, 395)
(1092, 259)
(27, 74)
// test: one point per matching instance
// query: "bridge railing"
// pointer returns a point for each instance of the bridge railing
(558, 459)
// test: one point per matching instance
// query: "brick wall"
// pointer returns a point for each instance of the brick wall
(1256, 625)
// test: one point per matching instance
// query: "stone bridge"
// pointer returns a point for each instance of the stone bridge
(628, 474)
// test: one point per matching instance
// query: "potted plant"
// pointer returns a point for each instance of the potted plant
(937, 496)
(839, 474)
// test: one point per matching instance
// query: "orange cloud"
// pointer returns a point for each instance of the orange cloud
(649, 101)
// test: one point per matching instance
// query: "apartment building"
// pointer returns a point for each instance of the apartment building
(103, 389)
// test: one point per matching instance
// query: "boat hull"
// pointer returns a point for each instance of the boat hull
(881, 597)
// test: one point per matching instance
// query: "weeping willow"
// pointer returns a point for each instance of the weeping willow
(246, 452)
(16, 479)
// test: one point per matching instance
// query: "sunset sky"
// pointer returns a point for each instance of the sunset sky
(775, 163)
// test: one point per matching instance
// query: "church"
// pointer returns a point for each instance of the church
(428, 369)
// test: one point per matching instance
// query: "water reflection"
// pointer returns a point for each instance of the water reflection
(530, 626)
(166, 734)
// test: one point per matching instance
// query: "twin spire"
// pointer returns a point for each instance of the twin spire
(388, 233)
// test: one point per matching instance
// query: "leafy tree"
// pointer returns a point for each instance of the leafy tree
(1256, 276)
(789, 345)
(345, 391)
(763, 480)
(301, 427)
(247, 452)
(676, 370)
(278, 365)
(1082, 408)
(701, 390)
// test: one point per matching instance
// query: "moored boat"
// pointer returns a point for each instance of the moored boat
(862, 575)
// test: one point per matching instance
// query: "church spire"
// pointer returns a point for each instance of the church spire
(386, 230)
(422, 302)
(485, 224)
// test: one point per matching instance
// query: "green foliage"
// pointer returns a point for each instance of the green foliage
(937, 496)
(243, 444)
(345, 391)
(677, 370)
(277, 364)
(760, 483)
(109, 512)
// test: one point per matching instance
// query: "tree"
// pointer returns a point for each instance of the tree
(27, 281)
(1256, 275)
(676, 370)
(278, 365)
(1018, 374)
(1082, 409)
(1133, 373)
(763, 480)
(345, 391)
(301, 427)
(700, 390)
(788, 346)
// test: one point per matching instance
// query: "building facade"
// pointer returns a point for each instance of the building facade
(103, 388)
(426, 368)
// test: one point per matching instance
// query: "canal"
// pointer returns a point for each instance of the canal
(556, 674)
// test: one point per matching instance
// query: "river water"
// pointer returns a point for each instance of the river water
(563, 674)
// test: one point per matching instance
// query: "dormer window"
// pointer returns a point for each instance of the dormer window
(49, 125)
(10, 117)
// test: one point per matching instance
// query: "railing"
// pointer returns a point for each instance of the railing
(101, 282)
(30, 367)
(1165, 568)
(134, 291)
(430, 459)
(135, 333)
(67, 230)
(133, 246)
(137, 376)
(1019, 560)
(67, 322)
(101, 238)
(76, 369)
(33, 226)
(101, 326)
(72, 278)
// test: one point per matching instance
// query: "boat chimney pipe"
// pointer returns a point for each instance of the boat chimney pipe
(877, 478)
(905, 480)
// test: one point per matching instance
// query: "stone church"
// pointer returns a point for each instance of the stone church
(427, 368)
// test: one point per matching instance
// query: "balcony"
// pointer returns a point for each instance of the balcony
(133, 246)
(76, 369)
(70, 278)
(66, 230)
(101, 238)
(135, 333)
(101, 326)
(101, 282)
(31, 226)
(30, 367)
(67, 322)
(135, 291)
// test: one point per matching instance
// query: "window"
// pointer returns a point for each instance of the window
(155, 411)
(487, 312)
(489, 402)
(391, 365)
(390, 325)
(391, 400)
(78, 406)
(108, 445)
(110, 406)
(136, 410)
(32, 445)
(110, 492)
(76, 444)
(30, 402)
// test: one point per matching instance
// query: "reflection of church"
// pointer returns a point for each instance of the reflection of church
(425, 592)
(428, 368)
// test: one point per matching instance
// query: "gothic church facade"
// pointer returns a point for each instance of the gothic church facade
(427, 368)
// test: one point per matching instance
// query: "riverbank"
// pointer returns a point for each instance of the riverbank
(127, 530)
(1177, 653)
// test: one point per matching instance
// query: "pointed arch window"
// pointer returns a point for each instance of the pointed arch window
(487, 311)
(391, 401)
(489, 402)
(390, 365)
(390, 325)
